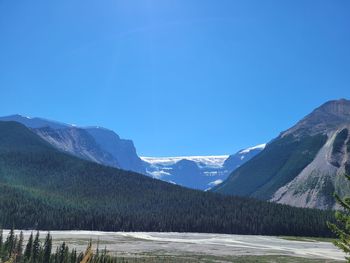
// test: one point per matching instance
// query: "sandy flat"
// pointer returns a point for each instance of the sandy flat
(131, 243)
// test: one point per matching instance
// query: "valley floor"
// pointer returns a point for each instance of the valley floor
(200, 247)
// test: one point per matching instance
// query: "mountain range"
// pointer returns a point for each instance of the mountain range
(304, 165)
(105, 147)
(198, 172)
(43, 187)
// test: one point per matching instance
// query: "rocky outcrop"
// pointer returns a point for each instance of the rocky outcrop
(303, 166)
(77, 142)
(96, 144)
(315, 185)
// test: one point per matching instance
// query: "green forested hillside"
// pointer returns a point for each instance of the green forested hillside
(278, 164)
(43, 188)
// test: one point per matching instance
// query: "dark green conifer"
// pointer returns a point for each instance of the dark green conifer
(10, 242)
(73, 257)
(1, 241)
(36, 248)
(47, 248)
(342, 230)
(19, 248)
(29, 249)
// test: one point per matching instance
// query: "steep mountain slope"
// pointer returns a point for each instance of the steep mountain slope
(236, 160)
(304, 165)
(122, 150)
(91, 143)
(35, 122)
(42, 187)
(78, 142)
(198, 172)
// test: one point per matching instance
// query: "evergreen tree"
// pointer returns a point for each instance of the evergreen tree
(29, 248)
(56, 255)
(10, 242)
(73, 257)
(63, 256)
(47, 248)
(19, 248)
(1, 242)
(342, 230)
(36, 248)
(80, 257)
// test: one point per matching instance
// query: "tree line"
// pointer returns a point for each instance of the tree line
(13, 250)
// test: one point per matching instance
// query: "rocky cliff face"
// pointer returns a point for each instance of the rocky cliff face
(78, 142)
(304, 166)
(122, 150)
(314, 185)
(327, 118)
(96, 144)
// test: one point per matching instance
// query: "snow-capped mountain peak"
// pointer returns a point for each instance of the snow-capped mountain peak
(200, 172)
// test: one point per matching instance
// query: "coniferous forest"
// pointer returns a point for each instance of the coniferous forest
(14, 250)
(42, 188)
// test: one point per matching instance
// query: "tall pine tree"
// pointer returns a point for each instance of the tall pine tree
(1, 242)
(29, 249)
(19, 248)
(47, 248)
(10, 242)
(36, 248)
(342, 230)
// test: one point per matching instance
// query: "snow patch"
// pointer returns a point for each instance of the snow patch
(260, 146)
(211, 173)
(216, 182)
(158, 174)
(214, 161)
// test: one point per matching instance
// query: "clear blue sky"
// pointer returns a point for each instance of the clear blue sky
(179, 77)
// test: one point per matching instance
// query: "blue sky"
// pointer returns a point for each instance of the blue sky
(178, 77)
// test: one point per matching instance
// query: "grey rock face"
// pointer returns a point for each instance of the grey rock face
(328, 117)
(311, 185)
(92, 143)
(77, 142)
(123, 151)
(315, 185)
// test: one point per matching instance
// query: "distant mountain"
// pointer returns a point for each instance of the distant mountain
(236, 160)
(44, 188)
(35, 123)
(122, 150)
(304, 165)
(91, 143)
(104, 146)
(198, 172)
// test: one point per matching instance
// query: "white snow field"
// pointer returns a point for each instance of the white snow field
(209, 161)
(133, 243)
